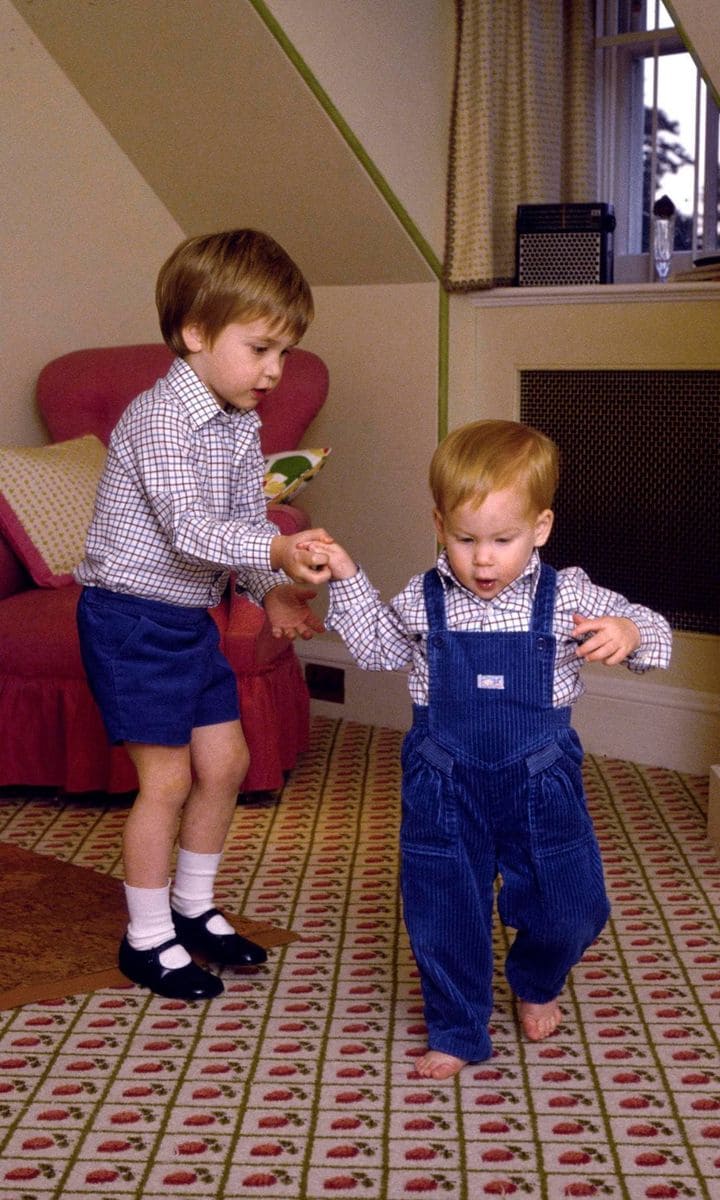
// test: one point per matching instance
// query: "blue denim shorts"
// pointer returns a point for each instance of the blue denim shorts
(156, 670)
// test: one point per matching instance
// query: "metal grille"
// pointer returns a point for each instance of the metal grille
(639, 493)
(554, 259)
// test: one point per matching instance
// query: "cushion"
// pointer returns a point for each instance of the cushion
(47, 495)
(289, 471)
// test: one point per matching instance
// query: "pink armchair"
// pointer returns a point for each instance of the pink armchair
(52, 732)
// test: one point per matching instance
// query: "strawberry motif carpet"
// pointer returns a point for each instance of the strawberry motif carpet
(298, 1084)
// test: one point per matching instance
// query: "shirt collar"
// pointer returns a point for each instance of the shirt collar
(199, 402)
(528, 579)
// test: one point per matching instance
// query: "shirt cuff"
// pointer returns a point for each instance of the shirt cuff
(254, 549)
(653, 651)
(257, 584)
(346, 592)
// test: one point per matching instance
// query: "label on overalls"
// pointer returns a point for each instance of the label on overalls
(491, 681)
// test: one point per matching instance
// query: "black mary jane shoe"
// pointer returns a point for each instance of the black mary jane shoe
(178, 983)
(230, 949)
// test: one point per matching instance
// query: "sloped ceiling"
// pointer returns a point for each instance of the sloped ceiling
(221, 125)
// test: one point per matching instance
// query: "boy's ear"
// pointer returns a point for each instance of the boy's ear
(543, 526)
(193, 337)
(439, 525)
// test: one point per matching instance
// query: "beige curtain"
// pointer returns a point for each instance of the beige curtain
(523, 127)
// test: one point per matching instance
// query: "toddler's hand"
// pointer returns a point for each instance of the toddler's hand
(607, 639)
(302, 556)
(340, 563)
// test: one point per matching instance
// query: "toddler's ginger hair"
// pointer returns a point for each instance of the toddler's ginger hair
(487, 456)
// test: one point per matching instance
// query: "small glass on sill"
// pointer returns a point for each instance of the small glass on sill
(663, 236)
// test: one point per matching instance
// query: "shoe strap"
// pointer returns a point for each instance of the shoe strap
(173, 941)
(204, 917)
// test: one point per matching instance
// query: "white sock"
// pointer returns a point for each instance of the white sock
(151, 923)
(194, 886)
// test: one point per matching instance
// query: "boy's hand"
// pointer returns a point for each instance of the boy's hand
(291, 554)
(607, 639)
(289, 613)
(339, 561)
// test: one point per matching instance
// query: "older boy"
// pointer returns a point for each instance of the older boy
(180, 506)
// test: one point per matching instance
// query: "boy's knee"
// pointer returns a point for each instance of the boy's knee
(225, 771)
(163, 772)
(238, 769)
(173, 786)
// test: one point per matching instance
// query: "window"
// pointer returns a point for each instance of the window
(659, 128)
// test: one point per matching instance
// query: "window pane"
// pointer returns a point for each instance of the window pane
(674, 158)
(664, 18)
(711, 220)
(655, 16)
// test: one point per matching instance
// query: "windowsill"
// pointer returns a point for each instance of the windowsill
(597, 293)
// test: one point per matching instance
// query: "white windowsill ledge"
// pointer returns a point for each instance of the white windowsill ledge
(596, 293)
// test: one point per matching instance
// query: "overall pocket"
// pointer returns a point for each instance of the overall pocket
(558, 815)
(429, 804)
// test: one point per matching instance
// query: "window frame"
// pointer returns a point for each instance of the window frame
(621, 58)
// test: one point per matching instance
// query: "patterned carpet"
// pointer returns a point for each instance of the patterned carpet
(298, 1082)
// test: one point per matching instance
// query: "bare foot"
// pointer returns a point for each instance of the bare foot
(436, 1065)
(539, 1020)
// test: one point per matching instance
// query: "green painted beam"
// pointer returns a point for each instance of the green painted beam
(388, 195)
(352, 141)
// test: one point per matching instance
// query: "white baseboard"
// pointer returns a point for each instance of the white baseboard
(620, 716)
(644, 721)
(371, 697)
(327, 650)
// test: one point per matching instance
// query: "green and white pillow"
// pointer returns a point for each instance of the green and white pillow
(289, 471)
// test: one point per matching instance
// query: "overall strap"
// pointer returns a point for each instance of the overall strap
(544, 603)
(434, 600)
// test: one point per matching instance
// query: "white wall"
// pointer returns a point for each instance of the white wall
(381, 421)
(388, 68)
(81, 236)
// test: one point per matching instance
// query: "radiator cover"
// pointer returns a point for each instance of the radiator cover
(639, 492)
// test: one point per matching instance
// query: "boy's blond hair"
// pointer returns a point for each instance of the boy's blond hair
(486, 456)
(240, 275)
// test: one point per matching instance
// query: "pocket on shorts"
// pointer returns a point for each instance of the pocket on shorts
(429, 798)
(112, 628)
(558, 813)
(105, 637)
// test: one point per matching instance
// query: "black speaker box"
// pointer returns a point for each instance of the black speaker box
(558, 244)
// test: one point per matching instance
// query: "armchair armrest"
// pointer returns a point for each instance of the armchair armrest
(13, 576)
(289, 518)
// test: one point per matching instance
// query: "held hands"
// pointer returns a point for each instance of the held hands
(610, 640)
(302, 556)
(340, 564)
(289, 613)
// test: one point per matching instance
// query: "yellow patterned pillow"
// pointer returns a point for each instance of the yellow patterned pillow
(47, 495)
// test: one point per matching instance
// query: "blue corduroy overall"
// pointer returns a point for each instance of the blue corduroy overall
(492, 785)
